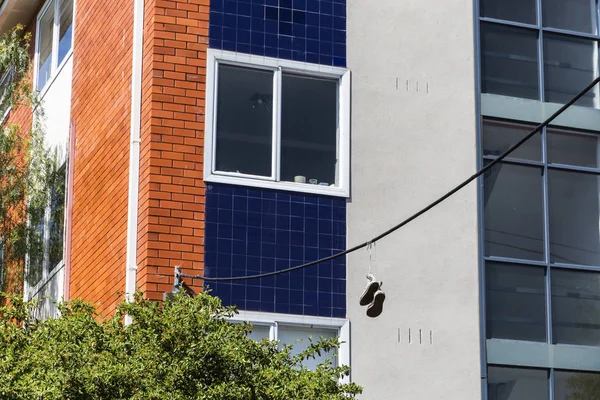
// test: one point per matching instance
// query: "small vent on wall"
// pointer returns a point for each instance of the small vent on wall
(415, 336)
(413, 86)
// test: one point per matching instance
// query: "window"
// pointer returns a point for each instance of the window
(548, 57)
(536, 384)
(277, 124)
(54, 39)
(47, 238)
(287, 329)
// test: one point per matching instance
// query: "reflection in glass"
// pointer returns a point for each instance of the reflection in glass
(576, 385)
(57, 216)
(573, 148)
(259, 332)
(516, 302)
(509, 63)
(514, 212)
(575, 307)
(290, 334)
(572, 15)
(569, 66)
(65, 36)
(500, 136)
(46, 28)
(309, 129)
(573, 200)
(510, 10)
(244, 121)
(517, 384)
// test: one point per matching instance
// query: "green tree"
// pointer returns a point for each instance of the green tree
(184, 349)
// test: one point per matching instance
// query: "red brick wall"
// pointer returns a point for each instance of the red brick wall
(172, 192)
(101, 100)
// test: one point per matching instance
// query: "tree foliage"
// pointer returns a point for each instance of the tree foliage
(186, 349)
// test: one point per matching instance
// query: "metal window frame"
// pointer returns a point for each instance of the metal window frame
(278, 66)
(502, 352)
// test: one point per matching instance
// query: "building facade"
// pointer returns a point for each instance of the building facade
(243, 137)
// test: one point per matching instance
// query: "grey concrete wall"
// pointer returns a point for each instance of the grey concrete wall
(413, 138)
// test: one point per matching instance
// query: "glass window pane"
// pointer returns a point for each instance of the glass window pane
(514, 212)
(575, 307)
(289, 334)
(509, 61)
(244, 121)
(65, 36)
(516, 302)
(36, 249)
(500, 136)
(309, 129)
(510, 10)
(517, 384)
(573, 200)
(569, 66)
(574, 148)
(259, 332)
(57, 216)
(46, 27)
(576, 385)
(572, 15)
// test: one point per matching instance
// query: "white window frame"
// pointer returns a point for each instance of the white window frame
(216, 57)
(55, 68)
(273, 320)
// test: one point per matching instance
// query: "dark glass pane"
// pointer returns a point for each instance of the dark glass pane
(500, 136)
(516, 302)
(576, 307)
(244, 121)
(572, 147)
(309, 129)
(46, 29)
(57, 216)
(569, 65)
(514, 212)
(65, 36)
(35, 238)
(573, 199)
(572, 15)
(509, 61)
(510, 10)
(576, 385)
(291, 334)
(517, 384)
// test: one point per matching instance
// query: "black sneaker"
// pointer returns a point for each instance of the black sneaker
(369, 293)
(376, 307)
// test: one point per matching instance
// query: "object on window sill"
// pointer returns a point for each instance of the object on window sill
(313, 181)
(323, 184)
(300, 179)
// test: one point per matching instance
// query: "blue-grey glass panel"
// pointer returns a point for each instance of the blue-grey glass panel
(505, 383)
(46, 29)
(572, 15)
(573, 148)
(574, 199)
(516, 302)
(244, 120)
(500, 136)
(509, 61)
(569, 66)
(575, 307)
(569, 385)
(65, 35)
(510, 10)
(309, 129)
(514, 217)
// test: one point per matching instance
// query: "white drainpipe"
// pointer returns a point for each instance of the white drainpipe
(134, 151)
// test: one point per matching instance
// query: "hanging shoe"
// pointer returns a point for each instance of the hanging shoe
(376, 307)
(367, 297)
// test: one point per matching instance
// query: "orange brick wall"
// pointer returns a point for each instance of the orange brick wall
(100, 113)
(172, 192)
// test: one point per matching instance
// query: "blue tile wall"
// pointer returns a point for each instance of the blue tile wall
(251, 231)
(311, 31)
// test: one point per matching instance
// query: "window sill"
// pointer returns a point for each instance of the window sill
(286, 186)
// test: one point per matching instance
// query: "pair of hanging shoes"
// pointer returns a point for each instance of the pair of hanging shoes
(373, 296)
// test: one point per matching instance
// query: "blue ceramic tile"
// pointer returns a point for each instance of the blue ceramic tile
(299, 17)
(243, 23)
(285, 3)
(299, 4)
(312, 5)
(272, 13)
(285, 15)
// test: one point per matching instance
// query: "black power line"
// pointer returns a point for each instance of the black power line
(418, 213)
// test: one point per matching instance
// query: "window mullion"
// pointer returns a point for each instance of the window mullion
(55, 36)
(276, 150)
(274, 332)
(547, 238)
